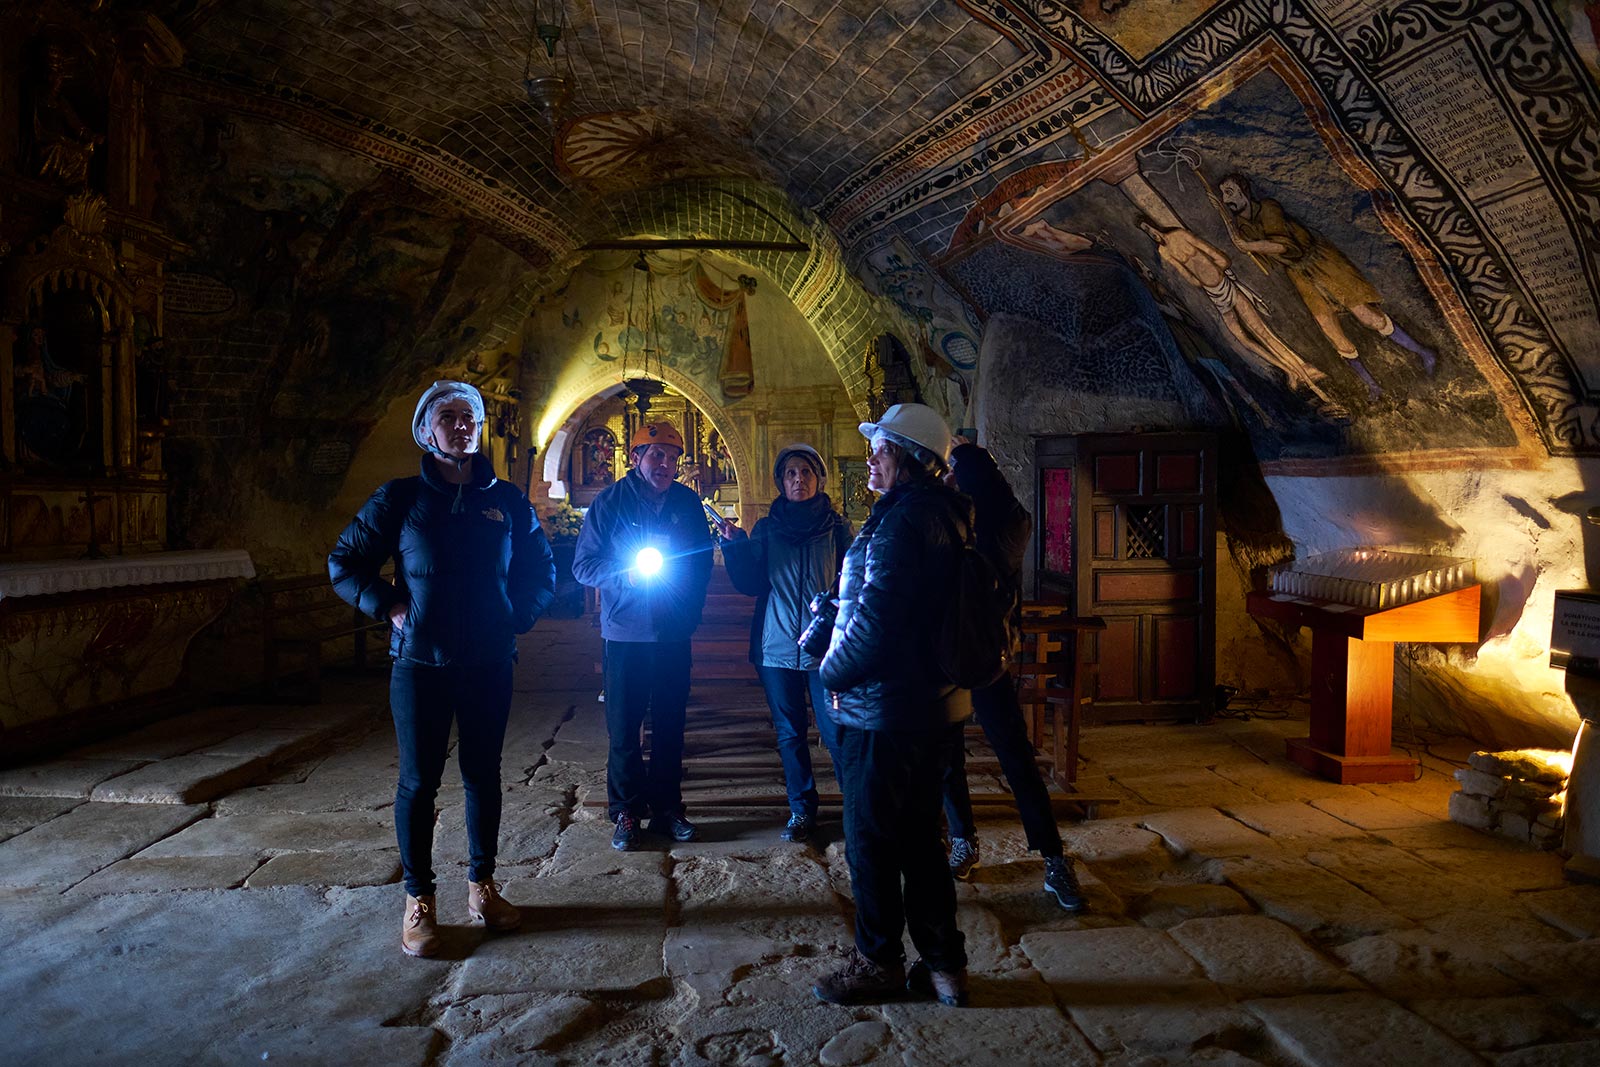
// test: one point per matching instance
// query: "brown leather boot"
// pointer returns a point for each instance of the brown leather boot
(419, 932)
(487, 906)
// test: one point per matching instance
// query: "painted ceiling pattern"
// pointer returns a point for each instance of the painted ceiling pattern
(920, 125)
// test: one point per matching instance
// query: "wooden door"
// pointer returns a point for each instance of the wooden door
(1137, 543)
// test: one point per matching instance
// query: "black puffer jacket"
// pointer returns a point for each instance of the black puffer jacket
(896, 586)
(792, 555)
(472, 565)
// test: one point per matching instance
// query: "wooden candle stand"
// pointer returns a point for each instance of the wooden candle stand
(1352, 676)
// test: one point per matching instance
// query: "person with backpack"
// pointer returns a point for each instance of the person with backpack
(1003, 528)
(472, 570)
(791, 555)
(897, 711)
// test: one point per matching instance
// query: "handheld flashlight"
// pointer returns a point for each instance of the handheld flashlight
(648, 562)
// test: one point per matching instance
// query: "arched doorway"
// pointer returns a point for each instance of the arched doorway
(717, 463)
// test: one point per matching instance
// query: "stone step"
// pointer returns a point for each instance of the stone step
(257, 739)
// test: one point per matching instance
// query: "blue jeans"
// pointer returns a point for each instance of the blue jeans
(998, 712)
(899, 876)
(424, 700)
(645, 679)
(787, 694)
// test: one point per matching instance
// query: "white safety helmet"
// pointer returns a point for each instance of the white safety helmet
(916, 425)
(437, 394)
(812, 457)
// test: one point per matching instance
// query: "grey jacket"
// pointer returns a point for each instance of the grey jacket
(783, 570)
(620, 522)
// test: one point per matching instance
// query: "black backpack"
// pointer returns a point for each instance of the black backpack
(974, 647)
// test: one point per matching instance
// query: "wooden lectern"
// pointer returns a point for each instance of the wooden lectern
(1352, 675)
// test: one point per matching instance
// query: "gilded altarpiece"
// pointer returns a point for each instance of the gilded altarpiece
(95, 614)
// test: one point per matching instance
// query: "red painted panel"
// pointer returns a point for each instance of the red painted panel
(1105, 533)
(1117, 657)
(1116, 472)
(1058, 519)
(1178, 472)
(1177, 646)
(1121, 587)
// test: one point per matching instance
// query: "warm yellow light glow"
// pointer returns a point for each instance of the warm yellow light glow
(1553, 758)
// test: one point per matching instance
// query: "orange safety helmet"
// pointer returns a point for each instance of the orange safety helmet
(656, 433)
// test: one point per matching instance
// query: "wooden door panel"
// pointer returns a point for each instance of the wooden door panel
(1143, 540)
(1143, 586)
(1175, 648)
(1105, 533)
(1116, 473)
(1117, 659)
(1178, 472)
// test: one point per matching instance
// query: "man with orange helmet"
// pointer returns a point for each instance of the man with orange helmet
(646, 547)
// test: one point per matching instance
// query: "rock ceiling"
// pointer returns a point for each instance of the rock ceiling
(937, 127)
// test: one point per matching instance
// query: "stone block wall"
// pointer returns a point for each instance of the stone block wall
(1514, 794)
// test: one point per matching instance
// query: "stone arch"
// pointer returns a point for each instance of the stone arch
(844, 315)
(600, 379)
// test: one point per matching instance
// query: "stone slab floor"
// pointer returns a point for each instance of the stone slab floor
(224, 890)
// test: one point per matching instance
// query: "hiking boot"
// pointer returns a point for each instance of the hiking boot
(949, 987)
(1061, 883)
(419, 930)
(798, 829)
(625, 838)
(674, 826)
(486, 905)
(860, 981)
(963, 857)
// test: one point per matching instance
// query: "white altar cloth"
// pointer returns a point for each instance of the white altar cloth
(154, 568)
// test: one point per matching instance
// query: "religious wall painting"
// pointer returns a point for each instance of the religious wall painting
(55, 380)
(599, 451)
(682, 313)
(935, 324)
(1295, 290)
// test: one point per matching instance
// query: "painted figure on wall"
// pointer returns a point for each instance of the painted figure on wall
(1326, 280)
(51, 402)
(1207, 268)
(63, 142)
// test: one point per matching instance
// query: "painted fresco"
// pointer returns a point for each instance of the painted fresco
(684, 313)
(937, 325)
(1283, 280)
(1140, 26)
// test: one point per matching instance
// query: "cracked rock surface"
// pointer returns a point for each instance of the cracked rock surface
(1240, 912)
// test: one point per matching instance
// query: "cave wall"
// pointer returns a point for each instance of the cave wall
(314, 289)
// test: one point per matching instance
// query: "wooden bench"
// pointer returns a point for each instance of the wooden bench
(298, 617)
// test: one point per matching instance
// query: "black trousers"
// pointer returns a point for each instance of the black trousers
(424, 701)
(998, 712)
(898, 872)
(645, 679)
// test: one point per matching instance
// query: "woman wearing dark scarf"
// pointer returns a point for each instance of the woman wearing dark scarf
(791, 555)
(472, 570)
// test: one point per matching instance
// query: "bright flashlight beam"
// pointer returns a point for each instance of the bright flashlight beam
(648, 562)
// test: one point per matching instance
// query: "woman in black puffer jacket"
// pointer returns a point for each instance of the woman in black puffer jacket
(896, 715)
(792, 555)
(472, 570)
